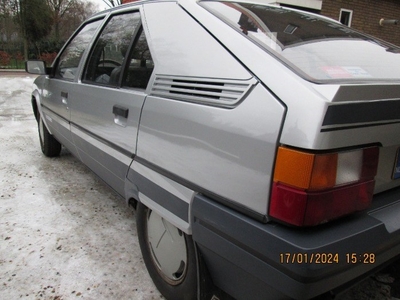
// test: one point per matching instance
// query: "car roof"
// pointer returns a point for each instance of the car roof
(259, 2)
(127, 5)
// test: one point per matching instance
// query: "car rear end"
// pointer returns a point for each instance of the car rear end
(332, 215)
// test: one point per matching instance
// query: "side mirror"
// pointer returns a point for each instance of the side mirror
(37, 67)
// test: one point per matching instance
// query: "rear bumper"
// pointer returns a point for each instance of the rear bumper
(252, 260)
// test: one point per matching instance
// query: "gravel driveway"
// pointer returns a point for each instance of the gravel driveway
(64, 234)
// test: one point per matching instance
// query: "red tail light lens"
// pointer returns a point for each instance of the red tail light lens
(311, 189)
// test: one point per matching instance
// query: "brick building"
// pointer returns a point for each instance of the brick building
(363, 15)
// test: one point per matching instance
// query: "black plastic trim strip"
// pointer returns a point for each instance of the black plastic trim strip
(358, 126)
(366, 112)
(161, 196)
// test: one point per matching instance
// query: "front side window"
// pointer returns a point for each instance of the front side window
(315, 47)
(70, 58)
(111, 48)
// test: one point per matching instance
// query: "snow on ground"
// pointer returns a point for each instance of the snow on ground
(64, 234)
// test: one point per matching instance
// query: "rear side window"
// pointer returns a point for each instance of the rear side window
(140, 64)
(121, 54)
(317, 48)
(70, 58)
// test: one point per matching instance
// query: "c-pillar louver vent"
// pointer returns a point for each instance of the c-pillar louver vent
(217, 92)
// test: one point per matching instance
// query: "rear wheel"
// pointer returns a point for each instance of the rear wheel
(50, 146)
(169, 255)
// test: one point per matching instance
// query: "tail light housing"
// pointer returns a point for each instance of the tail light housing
(313, 188)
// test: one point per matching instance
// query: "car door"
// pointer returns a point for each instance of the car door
(59, 88)
(105, 115)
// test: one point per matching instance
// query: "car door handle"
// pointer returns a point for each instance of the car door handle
(64, 98)
(120, 111)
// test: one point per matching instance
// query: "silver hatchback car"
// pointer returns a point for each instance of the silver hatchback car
(258, 144)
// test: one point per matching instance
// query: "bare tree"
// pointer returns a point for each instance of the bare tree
(59, 8)
(112, 3)
(77, 13)
(67, 16)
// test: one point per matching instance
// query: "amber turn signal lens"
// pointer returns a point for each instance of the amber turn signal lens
(304, 170)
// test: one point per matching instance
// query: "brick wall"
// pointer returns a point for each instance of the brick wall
(366, 16)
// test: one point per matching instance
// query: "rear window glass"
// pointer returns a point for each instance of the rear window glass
(317, 48)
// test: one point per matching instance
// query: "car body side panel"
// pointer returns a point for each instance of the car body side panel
(108, 163)
(55, 96)
(226, 152)
(54, 109)
(300, 129)
(93, 111)
(59, 128)
(105, 140)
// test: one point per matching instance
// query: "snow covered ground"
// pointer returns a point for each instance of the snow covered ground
(64, 234)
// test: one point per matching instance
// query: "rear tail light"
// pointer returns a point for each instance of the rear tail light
(311, 188)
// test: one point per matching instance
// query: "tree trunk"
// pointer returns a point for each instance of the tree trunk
(26, 48)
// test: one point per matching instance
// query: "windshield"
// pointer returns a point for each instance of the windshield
(317, 48)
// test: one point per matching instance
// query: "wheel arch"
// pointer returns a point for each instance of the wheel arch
(136, 195)
(35, 104)
(37, 108)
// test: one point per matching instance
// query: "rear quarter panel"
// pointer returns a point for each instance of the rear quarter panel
(225, 152)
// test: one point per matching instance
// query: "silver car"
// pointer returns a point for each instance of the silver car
(258, 144)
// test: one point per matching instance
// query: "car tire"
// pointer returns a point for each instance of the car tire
(169, 255)
(50, 146)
